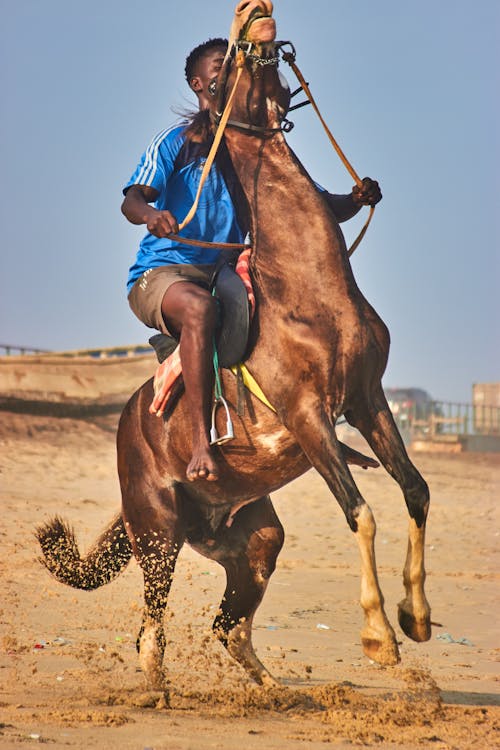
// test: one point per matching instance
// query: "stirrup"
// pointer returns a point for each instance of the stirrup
(214, 437)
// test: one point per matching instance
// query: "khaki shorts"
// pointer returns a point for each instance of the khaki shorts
(146, 295)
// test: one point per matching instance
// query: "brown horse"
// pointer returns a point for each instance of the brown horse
(318, 350)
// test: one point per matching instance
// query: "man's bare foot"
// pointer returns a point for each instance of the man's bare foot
(202, 466)
(358, 459)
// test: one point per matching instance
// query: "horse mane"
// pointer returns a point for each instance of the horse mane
(198, 128)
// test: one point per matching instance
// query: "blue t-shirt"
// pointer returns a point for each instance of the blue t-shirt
(177, 183)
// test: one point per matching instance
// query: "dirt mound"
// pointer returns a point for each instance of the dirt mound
(19, 427)
(65, 386)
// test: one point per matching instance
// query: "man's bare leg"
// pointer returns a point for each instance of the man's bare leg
(190, 312)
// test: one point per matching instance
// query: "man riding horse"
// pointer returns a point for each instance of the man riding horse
(169, 283)
(316, 346)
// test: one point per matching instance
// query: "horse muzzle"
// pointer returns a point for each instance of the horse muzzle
(254, 18)
(262, 31)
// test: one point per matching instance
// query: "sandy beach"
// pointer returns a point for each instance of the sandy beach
(69, 668)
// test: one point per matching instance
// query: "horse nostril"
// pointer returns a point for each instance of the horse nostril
(264, 6)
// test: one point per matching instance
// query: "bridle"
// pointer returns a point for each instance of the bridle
(240, 52)
(247, 48)
(257, 59)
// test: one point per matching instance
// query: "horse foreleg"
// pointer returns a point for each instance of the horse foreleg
(377, 425)
(414, 612)
(377, 637)
(316, 435)
(248, 551)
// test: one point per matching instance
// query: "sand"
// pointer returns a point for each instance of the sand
(68, 665)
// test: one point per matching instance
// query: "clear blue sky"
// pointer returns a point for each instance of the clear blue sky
(410, 90)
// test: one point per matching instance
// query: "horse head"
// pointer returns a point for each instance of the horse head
(262, 97)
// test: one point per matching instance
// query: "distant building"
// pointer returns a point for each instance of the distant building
(486, 406)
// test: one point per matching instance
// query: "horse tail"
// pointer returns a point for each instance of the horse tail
(104, 561)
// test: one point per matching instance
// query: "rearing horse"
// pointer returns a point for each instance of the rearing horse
(318, 350)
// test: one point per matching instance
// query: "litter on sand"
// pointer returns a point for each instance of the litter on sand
(60, 641)
(448, 638)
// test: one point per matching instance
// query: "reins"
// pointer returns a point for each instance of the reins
(240, 61)
(288, 57)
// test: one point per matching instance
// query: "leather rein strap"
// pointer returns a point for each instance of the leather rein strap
(288, 57)
(203, 243)
(240, 61)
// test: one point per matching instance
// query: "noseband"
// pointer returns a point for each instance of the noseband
(247, 50)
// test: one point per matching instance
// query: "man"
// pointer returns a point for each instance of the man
(168, 286)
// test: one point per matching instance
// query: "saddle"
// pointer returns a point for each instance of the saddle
(232, 287)
(234, 305)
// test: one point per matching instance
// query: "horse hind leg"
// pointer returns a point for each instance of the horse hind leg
(247, 551)
(157, 567)
(156, 540)
(377, 425)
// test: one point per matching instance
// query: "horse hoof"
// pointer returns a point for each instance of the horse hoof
(385, 653)
(155, 679)
(417, 630)
(153, 699)
(267, 680)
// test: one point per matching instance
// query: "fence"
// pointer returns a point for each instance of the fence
(98, 353)
(430, 420)
(11, 349)
(442, 419)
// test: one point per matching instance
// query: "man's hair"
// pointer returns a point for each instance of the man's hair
(200, 51)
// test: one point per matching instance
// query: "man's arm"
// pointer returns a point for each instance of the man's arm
(137, 209)
(346, 206)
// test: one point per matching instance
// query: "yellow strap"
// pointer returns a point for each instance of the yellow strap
(252, 385)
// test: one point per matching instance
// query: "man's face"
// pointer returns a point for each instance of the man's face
(207, 68)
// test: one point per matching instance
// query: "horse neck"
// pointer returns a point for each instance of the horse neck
(290, 220)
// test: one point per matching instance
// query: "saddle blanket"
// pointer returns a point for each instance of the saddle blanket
(170, 370)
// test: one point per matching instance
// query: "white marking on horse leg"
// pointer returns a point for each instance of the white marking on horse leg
(151, 655)
(378, 637)
(239, 645)
(414, 611)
